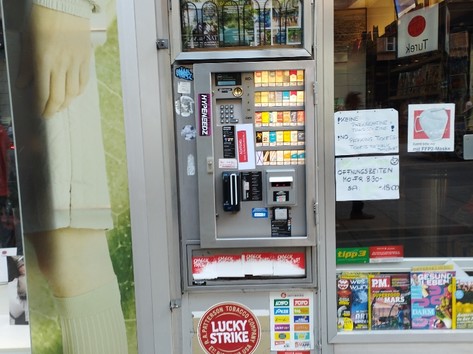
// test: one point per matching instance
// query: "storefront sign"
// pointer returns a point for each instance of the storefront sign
(229, 328)
(367, 178)
(418, 32)
(366, 132)
(292, 321)
(431, 127)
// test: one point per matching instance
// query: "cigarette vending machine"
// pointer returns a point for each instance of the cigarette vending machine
(246, 158)
(251, 153)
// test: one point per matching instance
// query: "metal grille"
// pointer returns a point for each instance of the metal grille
(244, 23)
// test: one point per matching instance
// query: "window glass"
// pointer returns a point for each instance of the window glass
(10, 228)
(403, 77)
(241, 23)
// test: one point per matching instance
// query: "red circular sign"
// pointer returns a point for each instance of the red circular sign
(229, 328)
(416, 26)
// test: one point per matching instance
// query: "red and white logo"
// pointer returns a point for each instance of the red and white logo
(229, 328)
(416, 26)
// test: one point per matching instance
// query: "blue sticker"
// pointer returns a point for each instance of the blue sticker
(282, 311)
(301, 319)
(260, 213)
(184, 73)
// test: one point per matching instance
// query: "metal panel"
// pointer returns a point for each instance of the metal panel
(146, 88)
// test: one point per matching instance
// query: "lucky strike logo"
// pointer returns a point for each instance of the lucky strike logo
(229, 328)
(343, 284)
(416, 26)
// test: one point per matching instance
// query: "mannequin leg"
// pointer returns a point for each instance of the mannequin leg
(77, 265)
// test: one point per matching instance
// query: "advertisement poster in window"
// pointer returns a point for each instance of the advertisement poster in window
(431, 127)
(66, 104)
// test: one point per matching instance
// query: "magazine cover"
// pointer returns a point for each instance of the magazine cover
(431, 304)
(352, 301)
(464, 303)
(389, 298)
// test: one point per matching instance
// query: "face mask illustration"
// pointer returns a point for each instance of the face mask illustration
(433, 123)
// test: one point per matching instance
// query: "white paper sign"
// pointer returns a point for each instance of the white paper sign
(367, 178)
(431, 127)
(417, 32)
(366, 132)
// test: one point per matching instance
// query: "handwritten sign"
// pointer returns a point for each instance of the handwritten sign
(366, 132)
(367, 178)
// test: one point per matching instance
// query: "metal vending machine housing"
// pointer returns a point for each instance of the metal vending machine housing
(255, 153)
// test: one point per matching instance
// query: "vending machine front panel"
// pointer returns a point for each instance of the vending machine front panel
(255, 153)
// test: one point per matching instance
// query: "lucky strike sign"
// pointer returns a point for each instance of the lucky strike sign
(229, 328)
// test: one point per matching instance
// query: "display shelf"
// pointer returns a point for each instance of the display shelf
(13, 339)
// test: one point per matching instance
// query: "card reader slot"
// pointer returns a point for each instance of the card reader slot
(231, 191)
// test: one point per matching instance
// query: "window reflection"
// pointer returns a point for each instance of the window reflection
(10, 234)
(241, 23)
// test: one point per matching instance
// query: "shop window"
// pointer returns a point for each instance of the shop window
(382, 65)
(403, 165)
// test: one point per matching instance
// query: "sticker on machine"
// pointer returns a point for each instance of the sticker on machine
(245, 147)
(292, 320)
(205, 114)
(230, 328)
